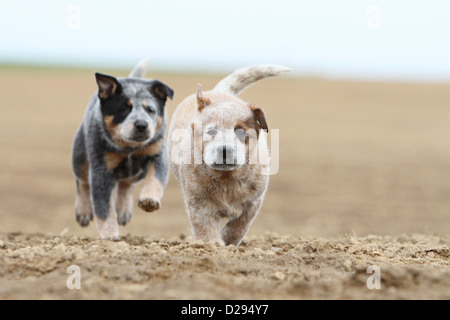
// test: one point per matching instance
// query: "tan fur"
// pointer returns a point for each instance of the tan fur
(104, 94)
(159, 91)
(109, 229)
(124, 202)
(211, 195)
(83, 205)
(260, 118)
(150, 150)
(159, 123)
(85, 171)
(114, 131)
(111, 127)
(202, 102)
(112, 160)
(151, 192)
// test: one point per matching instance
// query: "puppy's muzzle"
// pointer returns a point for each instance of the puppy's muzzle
(227, 155)
(141, 125)
(226, 159)
(141, 130)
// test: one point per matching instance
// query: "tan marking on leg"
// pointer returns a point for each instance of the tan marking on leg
(83, 205)
(108, 229)
(85, 171)
(124, 202)
(151, 192)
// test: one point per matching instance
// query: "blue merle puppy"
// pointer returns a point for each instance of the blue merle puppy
(121, 142)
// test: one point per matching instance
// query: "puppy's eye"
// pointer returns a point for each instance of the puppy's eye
(126, 107)
(150, 110)
(241, 134)
(211, 131)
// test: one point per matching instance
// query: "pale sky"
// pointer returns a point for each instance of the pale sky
(361, 39)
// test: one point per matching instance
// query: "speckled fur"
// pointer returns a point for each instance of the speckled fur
(211, 195)
(110, 154)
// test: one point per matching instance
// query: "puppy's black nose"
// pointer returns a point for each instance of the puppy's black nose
(225, 151)
(141, 125)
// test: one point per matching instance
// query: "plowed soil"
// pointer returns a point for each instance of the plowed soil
(363, 180)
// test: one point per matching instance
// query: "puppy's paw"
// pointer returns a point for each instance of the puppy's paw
(149, 204)
(108, 229)
(123, 218)
(84, 219)
(114, 238)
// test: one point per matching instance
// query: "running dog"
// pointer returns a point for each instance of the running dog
(214, 140)
(120, 142)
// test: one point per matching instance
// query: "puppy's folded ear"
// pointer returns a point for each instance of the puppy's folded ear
(108, 86)
(202, 101)
(160, 90)
(260, 118)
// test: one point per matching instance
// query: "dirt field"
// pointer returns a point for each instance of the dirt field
(364, 179)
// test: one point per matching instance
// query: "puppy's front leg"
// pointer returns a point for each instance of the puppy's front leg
(236, 229)
(124, 202)
(154, 183)
(205, 226)
(83, 205)
(102, 193)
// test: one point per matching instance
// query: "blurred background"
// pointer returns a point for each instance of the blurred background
(384, 39)
(364, 116)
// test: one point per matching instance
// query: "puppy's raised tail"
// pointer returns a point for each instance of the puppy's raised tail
(140, 69)
(241, 79)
